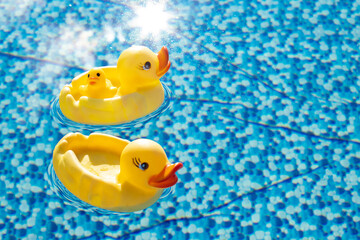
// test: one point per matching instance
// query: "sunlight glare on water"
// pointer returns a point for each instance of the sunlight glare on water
(152, 19)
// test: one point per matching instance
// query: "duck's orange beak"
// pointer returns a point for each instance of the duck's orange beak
(164, 63)
(167, 177)
(92, 80)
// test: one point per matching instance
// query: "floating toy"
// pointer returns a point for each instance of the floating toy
(121, 93)
(97, 85)
(112, 173)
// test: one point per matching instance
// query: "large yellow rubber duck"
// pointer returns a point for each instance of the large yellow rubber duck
(139, 90)
(112, 173)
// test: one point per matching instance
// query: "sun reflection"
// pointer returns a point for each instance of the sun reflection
(152, 19)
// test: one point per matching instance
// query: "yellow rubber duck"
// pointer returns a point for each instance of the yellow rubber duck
(97, 85)
(112, 173)
(146, 71)
(140, 92)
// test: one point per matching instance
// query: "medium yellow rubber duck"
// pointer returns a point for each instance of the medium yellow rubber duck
(112, 173)
(140, 92)
(97, 85)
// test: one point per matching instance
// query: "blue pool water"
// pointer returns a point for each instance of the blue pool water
(264, 116)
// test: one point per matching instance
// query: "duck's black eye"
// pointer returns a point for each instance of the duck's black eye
(144, 166)
(98, 74)
(88, 75)
(147, 66)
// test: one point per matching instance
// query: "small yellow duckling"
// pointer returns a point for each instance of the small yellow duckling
(97, 85)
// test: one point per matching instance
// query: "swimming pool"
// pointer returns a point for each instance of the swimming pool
(264, 116)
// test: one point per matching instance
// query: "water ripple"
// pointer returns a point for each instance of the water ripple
(60, 118)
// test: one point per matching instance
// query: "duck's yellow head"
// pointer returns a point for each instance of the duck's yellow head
(144, 164)
(96, 77)
(138, 67)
